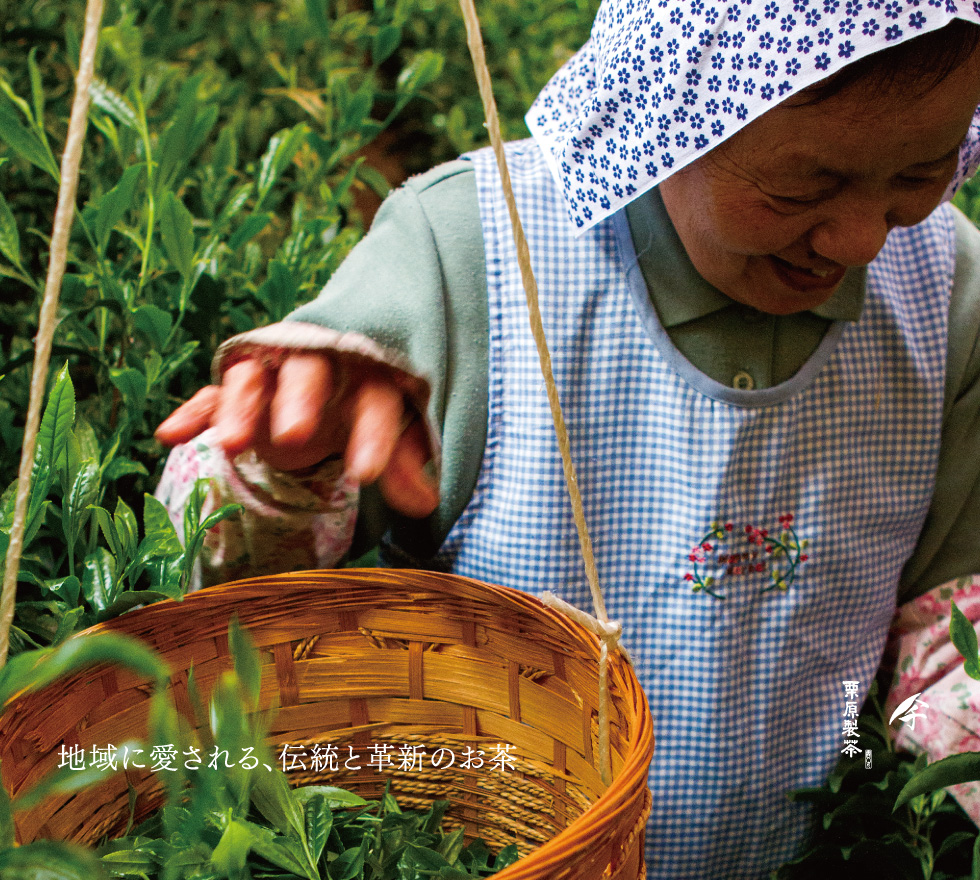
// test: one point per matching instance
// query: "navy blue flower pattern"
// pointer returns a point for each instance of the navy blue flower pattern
(661, 82)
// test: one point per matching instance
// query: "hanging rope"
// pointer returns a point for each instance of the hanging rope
(610, 637)
(64, 214)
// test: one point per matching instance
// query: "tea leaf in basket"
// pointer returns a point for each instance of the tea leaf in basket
(33, 670)
(507, 856)
(283, 852)
(248, 665)
(130, 861)
(50, 860)
(422, 859)
(452, 845)
(319, 821)
(335, 798)
(350, 863)
(231, 853)
(275, 801)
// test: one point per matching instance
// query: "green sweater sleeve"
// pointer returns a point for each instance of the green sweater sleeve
(416, 285)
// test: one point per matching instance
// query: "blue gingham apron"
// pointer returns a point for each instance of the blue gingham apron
(750, 541)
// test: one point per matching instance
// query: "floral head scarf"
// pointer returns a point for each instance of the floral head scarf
(661, 82)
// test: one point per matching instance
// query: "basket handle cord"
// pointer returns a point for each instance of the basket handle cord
(608, 632)
(47, 320)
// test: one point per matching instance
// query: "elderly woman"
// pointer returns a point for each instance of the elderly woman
(764, 323)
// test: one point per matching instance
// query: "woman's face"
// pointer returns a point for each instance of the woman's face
(775, 215)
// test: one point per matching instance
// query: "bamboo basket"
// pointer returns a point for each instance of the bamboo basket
(357, 658)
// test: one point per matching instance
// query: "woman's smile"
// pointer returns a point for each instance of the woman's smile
(776, 215)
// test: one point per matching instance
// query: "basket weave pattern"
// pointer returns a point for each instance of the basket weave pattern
(360, 659)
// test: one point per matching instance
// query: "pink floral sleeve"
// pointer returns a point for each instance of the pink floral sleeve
(946, 715)
(287, 523)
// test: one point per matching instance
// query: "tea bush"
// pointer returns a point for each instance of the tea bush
(230, 163)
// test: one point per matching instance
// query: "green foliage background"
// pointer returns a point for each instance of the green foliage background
(233, 152)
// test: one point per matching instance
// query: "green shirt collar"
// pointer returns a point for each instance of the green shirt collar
(680, 294)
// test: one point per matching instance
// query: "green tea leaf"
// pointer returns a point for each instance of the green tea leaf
(428, 860)
(232, 851)
(115, 203)
(160, 535)
(177, 232)
(506, 857)
(251, 227)
(109, 531)
(125, 862)
(130, 599)
(349, 863)
(274, 800)
(424, 69)
(280, 152)
(84, 492)
(385, 42)
(319, 821)
(70, 621)
(59, 416)
(97, 578)
(37, 89)
(126, 528)
(964, 638)
(284, 852)
(113, 104)
(9, 236)
(336, 798)
(154, 322)
(132, 386)
(317, 13)
(25, 144)
(65, 588)
(50, 860)
(248, 664)
(374, 179)
(964, 767)
(452, 845)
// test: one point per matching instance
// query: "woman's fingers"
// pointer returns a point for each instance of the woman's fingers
(294, 417)
(405, 483)
(378, 409)
(304, 386)
(190, 419)
(241, 417)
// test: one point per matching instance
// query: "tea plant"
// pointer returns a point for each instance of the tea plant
(224, 819)
(857, 833)
(202, 213)
(964, 767)
(84, 564)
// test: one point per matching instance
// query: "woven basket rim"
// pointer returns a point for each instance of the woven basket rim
(210, 610)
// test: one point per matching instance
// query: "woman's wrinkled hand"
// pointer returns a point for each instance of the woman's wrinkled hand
(300, 412)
